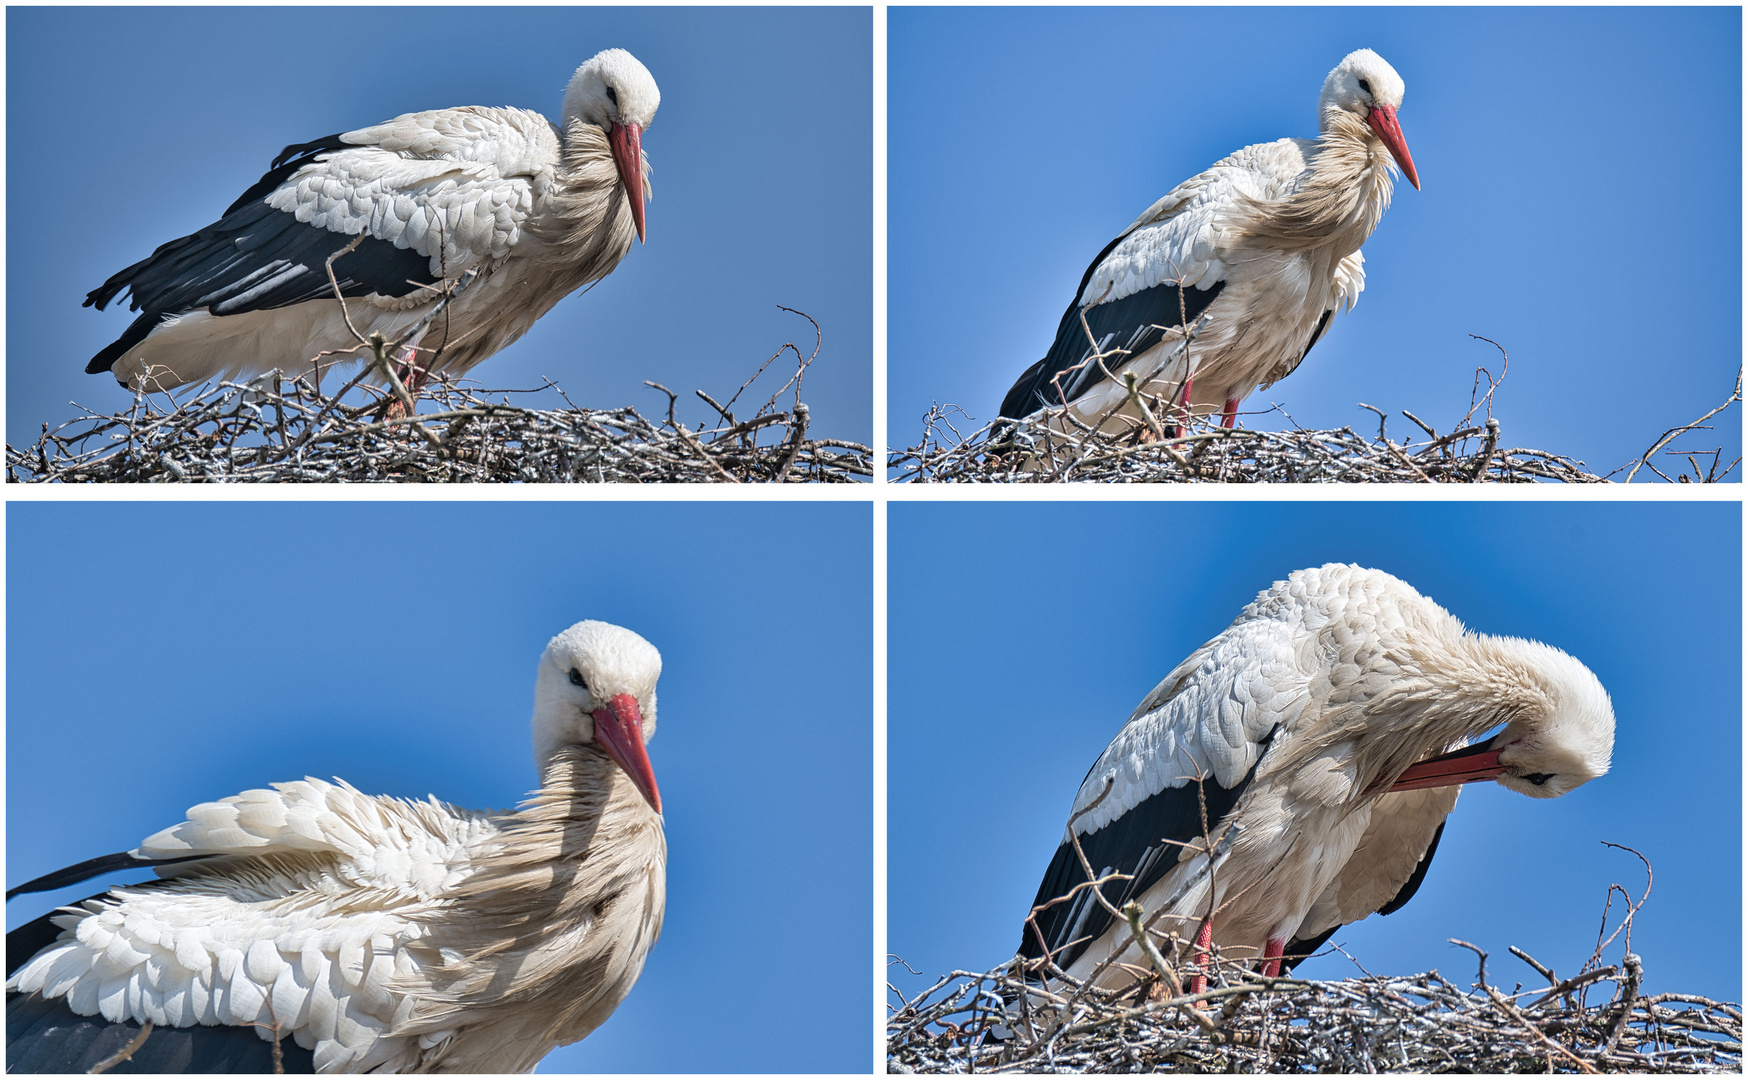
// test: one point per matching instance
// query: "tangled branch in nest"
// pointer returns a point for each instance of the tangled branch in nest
(1006, 1020)
(1031, 451)
(1038, 449)
(289, 431)
(1417, 1023)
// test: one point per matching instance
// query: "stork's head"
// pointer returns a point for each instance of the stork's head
(617, 94)
(1366, 86)
(1561, 736)
(1550, 751)
(597, 686)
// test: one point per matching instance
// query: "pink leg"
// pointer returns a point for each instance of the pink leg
(1204, 943)
(1230, 416)
(1271, 956)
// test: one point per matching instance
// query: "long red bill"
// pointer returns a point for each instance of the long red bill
(619, 731)
(1382, 119)
(1466, 766)
(627, 141)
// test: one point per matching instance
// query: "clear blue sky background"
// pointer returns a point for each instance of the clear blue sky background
(127, 128)
(1022, 636)
(1582, 202)
(160, 655)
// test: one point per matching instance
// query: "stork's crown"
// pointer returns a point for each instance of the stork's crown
(612, 87)
(582, 670)
(1362, 80)
(1549, 754)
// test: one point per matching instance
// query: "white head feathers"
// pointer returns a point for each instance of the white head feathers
(1361, 81)
(611, 88)
(581, 672)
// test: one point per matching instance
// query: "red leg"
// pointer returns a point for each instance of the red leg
(1230, 416)
(1271, 956)
(1183, 400)
(1204, 943)
(413, 378)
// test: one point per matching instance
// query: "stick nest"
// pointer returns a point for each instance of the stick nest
(1051, 446)
(288, 431)
(1009, 1020)
(1417, 1023)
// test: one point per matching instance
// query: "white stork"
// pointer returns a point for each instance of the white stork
(372, 933)
(1253, 257)
(1312, 734)
(501, 208)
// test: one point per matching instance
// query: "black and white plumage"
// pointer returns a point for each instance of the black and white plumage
(373, 933)
(1315, 735)
(501, 207)
(1228, 281)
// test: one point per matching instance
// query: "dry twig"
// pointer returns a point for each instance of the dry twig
(126, 1052)
(1713, 474)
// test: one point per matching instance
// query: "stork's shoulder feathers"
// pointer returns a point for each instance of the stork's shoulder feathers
(373, 838)
(513, 141)
(1212, 716)
(1190, 232)
(455, 185)
(1326, 637)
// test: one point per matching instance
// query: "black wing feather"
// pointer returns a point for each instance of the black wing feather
(90, 868)
(1412, 885)
(1133, 323)
(1316, 335)
(44, 1036)
(1145, 842)
(255, 258)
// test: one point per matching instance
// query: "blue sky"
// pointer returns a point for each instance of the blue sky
(1023, 635)
(1581, 205)
(160, 655)
(127, 128)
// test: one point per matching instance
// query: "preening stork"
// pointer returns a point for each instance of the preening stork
(1316, 734)
(1226, 283)
(501, 210)
(372, 933)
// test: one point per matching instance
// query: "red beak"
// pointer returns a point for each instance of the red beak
(627, 140)
(619, 731)
(1465, 766)
(1382, 119)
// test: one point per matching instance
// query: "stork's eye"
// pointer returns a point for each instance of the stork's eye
(613, 96)
(578, 680)
(1539, 778)
(1364, 85)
